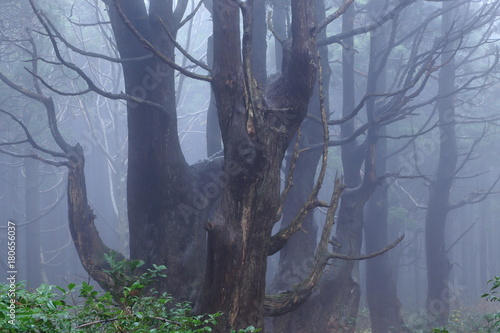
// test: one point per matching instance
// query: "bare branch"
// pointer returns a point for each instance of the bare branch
(389, 16)
(36, 157)
(367, 256)
(332, 17)
(92, 86)
(191, 15)
(29, 137)
(289, 179)
(275, 305)
(57, 34)
(461, 236)
(270, 25)
(181, 49)
(153, 49)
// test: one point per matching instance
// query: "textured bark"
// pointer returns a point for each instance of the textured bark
(88, 244)
(438, 264)
(255, 139)
(296, 257)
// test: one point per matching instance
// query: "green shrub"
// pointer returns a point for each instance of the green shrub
(493, 319)
(51, 309)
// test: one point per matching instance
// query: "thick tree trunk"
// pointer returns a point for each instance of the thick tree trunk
(438, 264)
(255, 139)
(166, 206)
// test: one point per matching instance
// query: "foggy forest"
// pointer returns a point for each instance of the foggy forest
(282, 166)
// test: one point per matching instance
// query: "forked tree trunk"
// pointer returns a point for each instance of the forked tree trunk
(166, 203)
(257, 125)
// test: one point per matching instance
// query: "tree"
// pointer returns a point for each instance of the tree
(168, 200)
(381, 293)
(448, 166)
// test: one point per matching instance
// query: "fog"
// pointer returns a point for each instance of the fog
(407, 97)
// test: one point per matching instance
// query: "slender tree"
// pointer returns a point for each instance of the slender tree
(383, 302)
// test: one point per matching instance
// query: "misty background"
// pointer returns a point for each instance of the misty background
(34, 194)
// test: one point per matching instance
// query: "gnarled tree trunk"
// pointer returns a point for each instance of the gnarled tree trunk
(257, 124)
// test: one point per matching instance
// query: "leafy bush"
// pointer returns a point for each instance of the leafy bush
(51, 309)
(493, 296)
(40, 310)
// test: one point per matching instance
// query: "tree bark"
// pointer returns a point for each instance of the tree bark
(339, 293)
(438, 264)
(381, 293)
(297, 255)
(383, 302)
(255, 139)
(166, 204)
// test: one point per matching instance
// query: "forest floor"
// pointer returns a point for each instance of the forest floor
(464, 318)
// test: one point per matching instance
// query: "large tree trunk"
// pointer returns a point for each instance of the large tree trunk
(166, 207)
(438, 264)
(255, 140)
